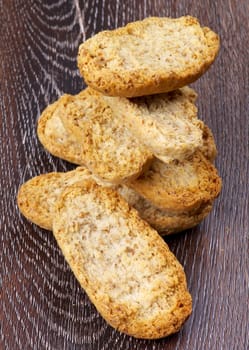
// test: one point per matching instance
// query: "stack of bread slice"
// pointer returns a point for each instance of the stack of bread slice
(145, 166)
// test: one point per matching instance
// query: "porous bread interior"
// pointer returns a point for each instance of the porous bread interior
(54, 136)
(136, 48)
(103, 240)
(37, 197)
(165, 123)
(109, 149)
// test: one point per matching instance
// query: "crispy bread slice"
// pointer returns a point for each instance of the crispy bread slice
(165, 123)
(179, 186)
(147, 57)
(165, 222)
(102, 239)
(54, 137)
(109, 149)
(36, 197)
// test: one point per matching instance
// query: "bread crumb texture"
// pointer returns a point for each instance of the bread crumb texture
(125, 267)
(109, 149)
(129, 62)
(166, 123)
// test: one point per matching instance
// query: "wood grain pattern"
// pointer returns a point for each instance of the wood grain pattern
(42, 305)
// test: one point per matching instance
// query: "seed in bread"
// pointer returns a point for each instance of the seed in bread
(179, 186)
(146, 57)
(165, 222)
(102, 239)
(54, 137)
(109, 149)
(37, 197)
(165, 123)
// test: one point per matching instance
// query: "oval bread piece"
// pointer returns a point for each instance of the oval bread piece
(37, 197)
(165, 222)
(109, 149)
(146, 57)
(179, 186)
(103, 239)
(165, 123)
(53, 135)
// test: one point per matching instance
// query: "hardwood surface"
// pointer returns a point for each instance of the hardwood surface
(42, 305)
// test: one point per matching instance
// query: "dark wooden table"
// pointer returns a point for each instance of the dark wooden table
(42, 305)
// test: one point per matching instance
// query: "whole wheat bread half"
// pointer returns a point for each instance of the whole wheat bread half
(37, 197)
(53, 135)
(102, 239)
(179, 186)
(146, 57)
(165, 123)
(164, 221)
(109, 149)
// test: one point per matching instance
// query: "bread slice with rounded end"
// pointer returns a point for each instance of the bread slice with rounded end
(53, 135)
(165, 123)
(179, 186)
(124, 266)
(109, 149)
(146, 57)
(36, 197)
(165, 222)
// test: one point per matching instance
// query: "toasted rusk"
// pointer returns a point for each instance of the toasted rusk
(155, 55)
(102, 239)
(83, 130)
(109, 149)
(164, 221)
(179, 186)
(37, 198)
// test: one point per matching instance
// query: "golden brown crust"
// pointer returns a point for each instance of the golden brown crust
(179, 186)
(54, 137)
(102, 257)
(36, 197)
(108, 69)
